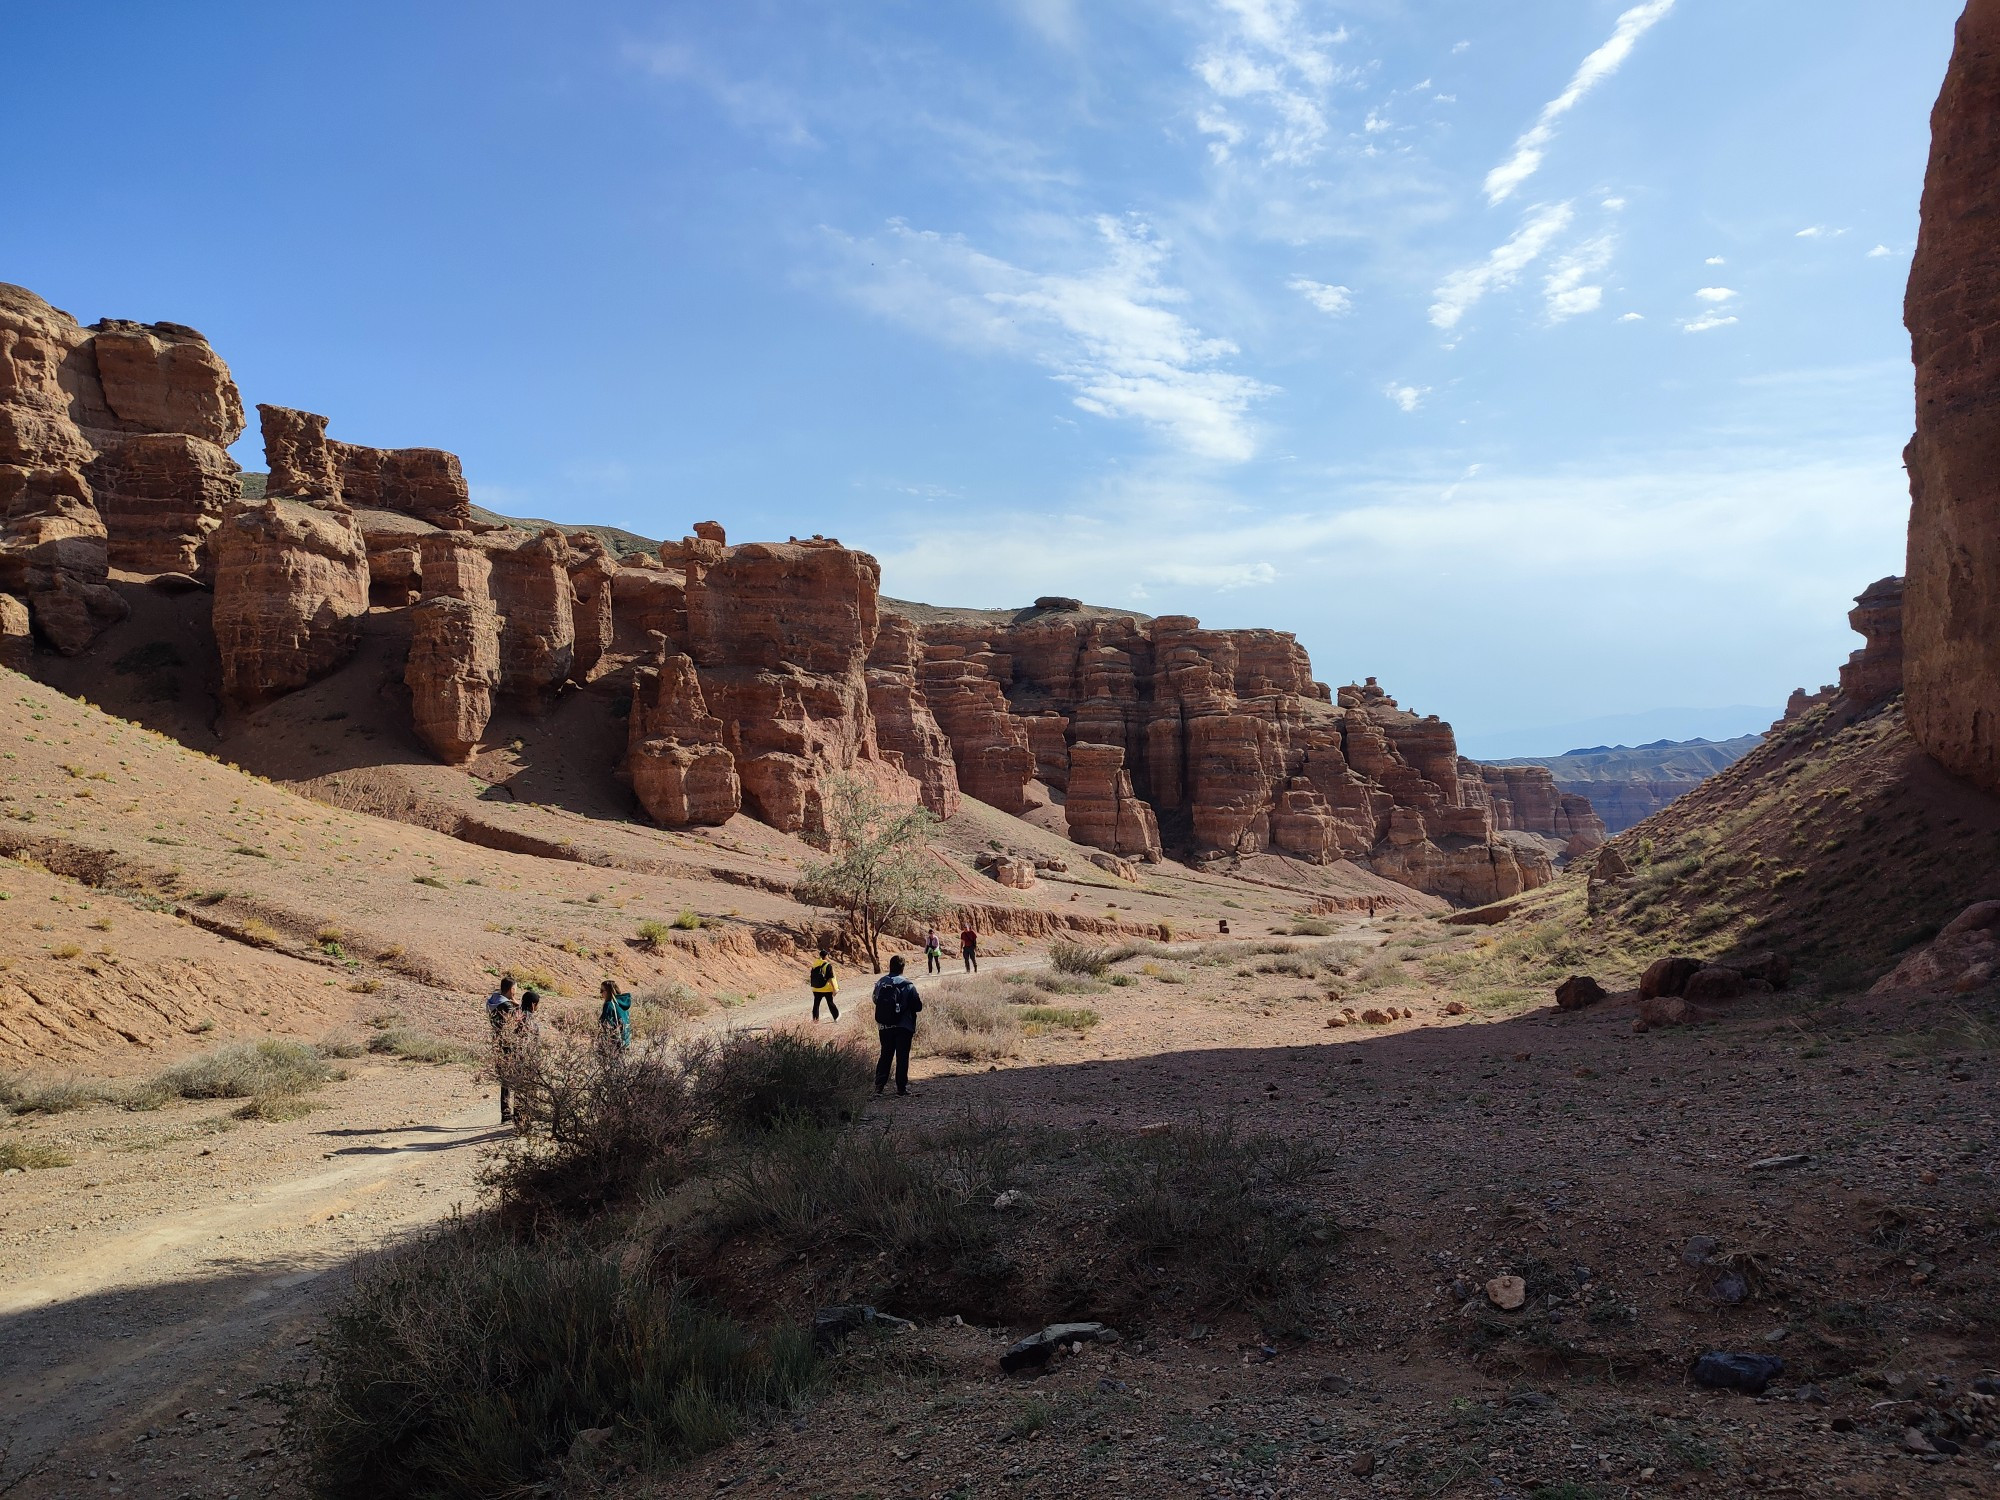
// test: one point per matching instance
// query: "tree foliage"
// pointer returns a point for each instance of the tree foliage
(879, 871)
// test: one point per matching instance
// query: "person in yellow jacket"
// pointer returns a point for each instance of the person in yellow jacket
(824, 985)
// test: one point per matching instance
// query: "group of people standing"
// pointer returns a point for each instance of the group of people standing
(517, 1028)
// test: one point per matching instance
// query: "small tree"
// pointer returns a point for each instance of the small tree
(879, 870)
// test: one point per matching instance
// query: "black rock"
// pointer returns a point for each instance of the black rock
(1737, 1372)
(1035, 1350)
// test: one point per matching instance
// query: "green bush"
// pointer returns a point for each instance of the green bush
(687, 921)
(466, 1364)
(1312, 927)
(753, 1081)
(653, 932)
(1079, 958)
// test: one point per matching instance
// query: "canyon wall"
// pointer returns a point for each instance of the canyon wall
(1952, 610)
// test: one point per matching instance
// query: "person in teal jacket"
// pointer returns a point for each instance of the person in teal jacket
(615, 1019)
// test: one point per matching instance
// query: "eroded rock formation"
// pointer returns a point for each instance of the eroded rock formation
(904, 723)
(1221, 744)
(1874, 674)
(291, 585)
(305, 463)
(112, 444)
(452, 673)
(1952, 613)
(681, 772)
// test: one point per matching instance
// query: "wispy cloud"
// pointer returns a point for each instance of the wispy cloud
(1717, 294)
(1707, 321)
(751, 104)
(1335, 301)
(1880, 252)
(1715, 260)
(1568, 290)
(1406, 397)
(1504, 180)
(1267, 58)
(1819, 232)
(1631, 317)
(1112, 332)
(1462, 290)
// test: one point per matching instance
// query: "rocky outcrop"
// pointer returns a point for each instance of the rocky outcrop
(1874, 674)
(17, 641)
(395, 556)
(780, 633)
(304, 462)
(531, 590)
(1526, 799)
(1952, 603)
(291, 585)
(160, 495)
(111, 450)
(591, 571)
(680, 770)
(1102, 810)
(905, 727)
(1225, 739)
(452, 673)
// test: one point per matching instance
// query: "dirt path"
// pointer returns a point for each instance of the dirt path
(175, 1269)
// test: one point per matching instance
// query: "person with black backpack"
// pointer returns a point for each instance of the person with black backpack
(824, 985)
(896, 1005)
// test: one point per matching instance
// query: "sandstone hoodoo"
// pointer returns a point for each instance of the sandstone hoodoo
(1952, 629)
(291, 585)
(1219, 744)
(680, 771)
(112, 442)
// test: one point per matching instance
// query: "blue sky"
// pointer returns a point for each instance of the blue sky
(1544, 360)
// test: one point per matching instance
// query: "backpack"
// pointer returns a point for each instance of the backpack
(895, 1002)
(822, 975)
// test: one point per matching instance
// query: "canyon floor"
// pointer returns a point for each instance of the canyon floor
(1835, 1153)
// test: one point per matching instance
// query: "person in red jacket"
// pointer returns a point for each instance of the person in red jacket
(968, 949)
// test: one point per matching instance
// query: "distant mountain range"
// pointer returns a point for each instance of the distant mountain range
(1648, 727)
(1629, 783)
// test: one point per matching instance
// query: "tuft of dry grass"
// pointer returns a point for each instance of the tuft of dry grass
(971, 1026)
(29, 1156)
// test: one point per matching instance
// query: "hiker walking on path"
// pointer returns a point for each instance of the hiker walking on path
(933, 952)
(500, 1013)
(615, 1018)
(968, 948)
(896, 1005)
(825, 985)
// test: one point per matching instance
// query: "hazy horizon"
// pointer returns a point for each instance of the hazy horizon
(1544, 362)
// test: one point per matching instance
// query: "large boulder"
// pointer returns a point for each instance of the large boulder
(681, 772)
(291, 586)
(452, 673)
(1951, 613)
(1667, 976)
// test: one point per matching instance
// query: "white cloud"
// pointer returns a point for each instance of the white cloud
(1055, 20)
(1406, 397)
(1631, 317)
(1716, 294)
(1332, 300)
(1461, 290)
(1458, 47)
(1566, 289)
(1268, 57)
(1879, 252)
(1223, 577)
(1614, 204)
(1715, 260)
(1819, 232)
(1505, 179)
(1110, 332)
(1707, 321)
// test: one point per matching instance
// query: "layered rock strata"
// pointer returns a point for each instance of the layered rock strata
(905, 727)
(1219, 743)
(291, 586)
(680, 770)
(307, 464)
(1874, 674)
(1952, 604)
(112, 444)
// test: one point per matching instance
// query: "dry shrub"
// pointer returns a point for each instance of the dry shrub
(253, 1070)
(757, 1080)
(1040, 1019)
(971, 1027)
(416, 1046)
(1079, 958)
(29, 1156)
(21, 1097)
(465, 1365)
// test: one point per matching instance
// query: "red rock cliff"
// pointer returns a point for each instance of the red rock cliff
(1951, 630)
